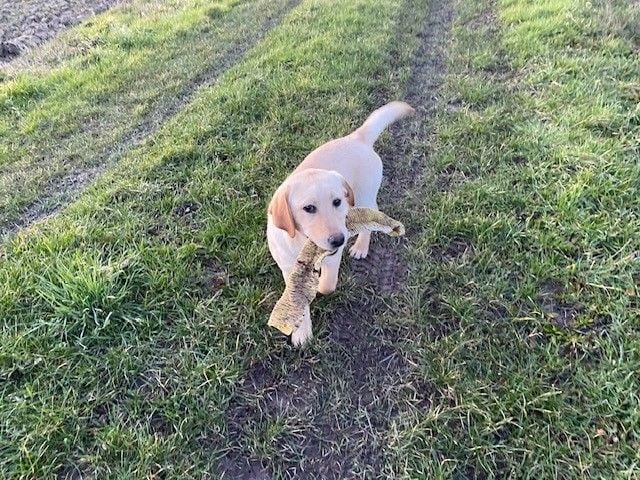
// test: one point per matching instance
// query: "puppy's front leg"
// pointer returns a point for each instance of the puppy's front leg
(303, 333)
(329, 272)
(360, 248)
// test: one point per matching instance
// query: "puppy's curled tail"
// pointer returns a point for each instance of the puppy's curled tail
(381, 119)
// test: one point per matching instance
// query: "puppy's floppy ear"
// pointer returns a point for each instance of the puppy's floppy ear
(348, 192)
(279, 210)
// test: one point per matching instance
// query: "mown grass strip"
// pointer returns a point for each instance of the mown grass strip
(114, 80)
(128, 319)
(525, 277)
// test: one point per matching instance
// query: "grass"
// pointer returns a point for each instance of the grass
(134, 342)
(128, 321)
(525, 276)
(106, 85)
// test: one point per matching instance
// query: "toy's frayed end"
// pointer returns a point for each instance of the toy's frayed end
(397, 230)
(279, 321)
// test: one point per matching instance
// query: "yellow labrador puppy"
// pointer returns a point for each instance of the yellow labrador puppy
(313, 201)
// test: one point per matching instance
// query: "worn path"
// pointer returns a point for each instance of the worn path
(343, 406)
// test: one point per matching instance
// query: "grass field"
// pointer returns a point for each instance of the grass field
(84, 102)
(134, 340)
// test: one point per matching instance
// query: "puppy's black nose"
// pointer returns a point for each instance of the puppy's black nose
(336, 240)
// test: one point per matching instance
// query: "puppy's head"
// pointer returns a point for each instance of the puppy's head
(314, 202)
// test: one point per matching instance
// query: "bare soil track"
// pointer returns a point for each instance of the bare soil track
(350, 397)
(24, 24)
(60, 191)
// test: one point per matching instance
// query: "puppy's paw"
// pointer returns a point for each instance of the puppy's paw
(357, 251)
(301, 335)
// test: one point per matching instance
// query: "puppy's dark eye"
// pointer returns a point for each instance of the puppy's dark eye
(337, 202)
(309, 208)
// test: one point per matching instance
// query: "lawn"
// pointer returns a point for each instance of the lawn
(500, 339)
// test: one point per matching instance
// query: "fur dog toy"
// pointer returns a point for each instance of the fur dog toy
(303, 280)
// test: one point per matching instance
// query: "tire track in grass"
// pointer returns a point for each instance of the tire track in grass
(336, 404)
(60, 191)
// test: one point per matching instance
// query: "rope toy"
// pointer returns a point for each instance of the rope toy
(302, 284)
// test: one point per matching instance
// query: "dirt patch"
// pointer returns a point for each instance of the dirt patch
(76, 472)
(186, 208)
(54, 195)
(519, 160)
(383, 269)
(62, 190)
(159, 425)
(454, 106)
(100, 415)
(357, 370)
(487, 19)
(214, 276)
(448, 181)
(443, 322)
(28, 23)
(338, 403)
(457, 247)
(451, 177)
(247, 470)
(467, 472)
(563, 314)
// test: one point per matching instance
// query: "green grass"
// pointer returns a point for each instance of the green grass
(134, 320)
(122, 311)
(531, 331)
(74, 108)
